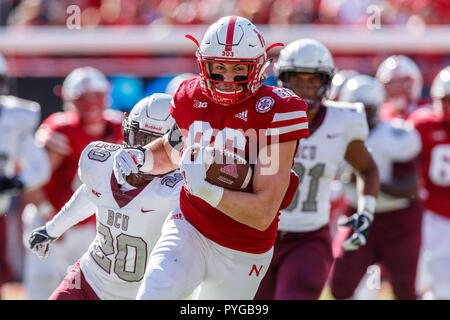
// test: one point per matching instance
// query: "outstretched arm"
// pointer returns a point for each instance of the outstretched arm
(77, 209)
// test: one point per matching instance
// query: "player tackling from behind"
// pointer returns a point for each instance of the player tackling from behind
(220, 242)
(129, 215)
(337, 131)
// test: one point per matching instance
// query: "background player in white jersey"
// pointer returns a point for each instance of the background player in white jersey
(64, 135)
(18, 121)
(303, 254)
(219, 240)
(394, 239)
(129, 216)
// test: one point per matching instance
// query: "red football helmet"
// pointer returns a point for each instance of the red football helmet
(232, 40)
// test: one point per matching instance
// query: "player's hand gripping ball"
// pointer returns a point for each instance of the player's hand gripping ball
(226, 169)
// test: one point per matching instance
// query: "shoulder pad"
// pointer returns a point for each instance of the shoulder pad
(404, 141)
(26, 112)
(96, 162)
(356, 106)
(19, 103)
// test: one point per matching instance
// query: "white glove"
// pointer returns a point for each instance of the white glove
(194, 173)
(40, 242)
(360, 222)
(127, 161)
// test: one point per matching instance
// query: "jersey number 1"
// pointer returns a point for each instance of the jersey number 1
(316, 172)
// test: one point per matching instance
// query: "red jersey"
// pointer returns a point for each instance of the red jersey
(272, 114)
(63, 133)
(435, 159)
(387, 112)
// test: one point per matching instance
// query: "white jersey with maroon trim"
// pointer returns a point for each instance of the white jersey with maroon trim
(317, 161)
(271, 115)
(394, 145)
(128, 223)
(18, 121)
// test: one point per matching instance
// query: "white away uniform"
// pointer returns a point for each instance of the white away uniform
(128, 223)
(316, 163)
(18, 121)
(389, 142)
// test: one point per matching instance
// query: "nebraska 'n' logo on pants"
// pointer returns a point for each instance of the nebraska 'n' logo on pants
(257, 270)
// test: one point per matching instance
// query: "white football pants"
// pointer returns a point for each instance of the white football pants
(184, 261)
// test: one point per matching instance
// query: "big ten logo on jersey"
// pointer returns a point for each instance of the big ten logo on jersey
(439, 171)
(118, 220)
(200, 104)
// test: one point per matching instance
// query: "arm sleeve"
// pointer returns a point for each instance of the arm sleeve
(77, 209)
(36, 166)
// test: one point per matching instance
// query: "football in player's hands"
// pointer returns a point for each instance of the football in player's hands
(227, 169)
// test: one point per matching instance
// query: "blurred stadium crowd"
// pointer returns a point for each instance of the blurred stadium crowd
(146, 12)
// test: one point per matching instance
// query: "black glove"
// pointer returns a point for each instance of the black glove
(10, 185)
(40, 242)
(360, 222)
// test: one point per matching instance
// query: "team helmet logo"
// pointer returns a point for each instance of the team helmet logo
(264, 104)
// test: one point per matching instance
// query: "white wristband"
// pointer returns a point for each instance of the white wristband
(211, 194)
(367, 203)
(148, 161)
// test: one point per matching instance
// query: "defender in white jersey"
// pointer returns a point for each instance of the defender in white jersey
(302, 254)
(18, 121)
(129, 216)
(394, 239)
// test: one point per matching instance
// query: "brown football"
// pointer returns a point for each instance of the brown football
(228, 170)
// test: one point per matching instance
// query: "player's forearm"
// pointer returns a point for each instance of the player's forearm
(77, 209)
(368, 182)
(160, 157)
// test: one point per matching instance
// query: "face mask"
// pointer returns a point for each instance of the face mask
(399, 103)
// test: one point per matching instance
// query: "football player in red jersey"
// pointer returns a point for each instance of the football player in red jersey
(64, 136)
(303, 252)
(219, 242)
(403, 82)
(433, 124)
